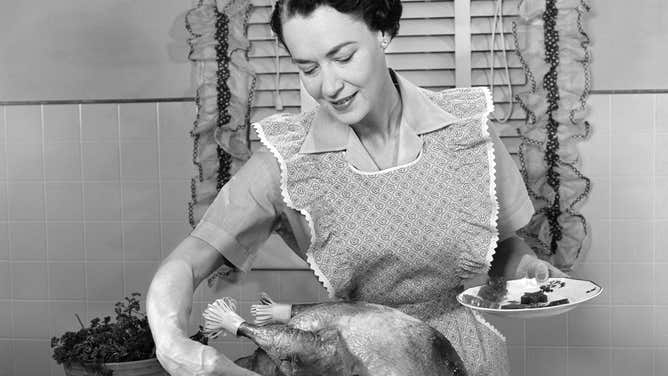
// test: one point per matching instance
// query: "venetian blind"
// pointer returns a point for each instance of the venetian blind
(423, 52)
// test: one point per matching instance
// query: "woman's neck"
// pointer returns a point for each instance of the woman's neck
(381, 125)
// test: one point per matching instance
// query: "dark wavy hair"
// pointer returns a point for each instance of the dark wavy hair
(379, 15)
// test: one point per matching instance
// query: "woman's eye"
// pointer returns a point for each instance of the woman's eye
(309, 70)
(345, 59)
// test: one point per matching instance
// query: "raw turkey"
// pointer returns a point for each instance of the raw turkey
(341, 339)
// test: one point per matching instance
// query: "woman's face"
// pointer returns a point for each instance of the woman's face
(340, 60)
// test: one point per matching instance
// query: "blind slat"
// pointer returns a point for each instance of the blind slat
(486, 8)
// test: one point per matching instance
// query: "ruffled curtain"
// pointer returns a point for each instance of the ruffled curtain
(554, 50)
(225, 89)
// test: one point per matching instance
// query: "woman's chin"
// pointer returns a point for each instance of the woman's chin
(349, 116)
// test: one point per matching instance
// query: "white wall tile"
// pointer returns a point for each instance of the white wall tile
(172, 234)
(547, 331)
(661, 295)
(175, 198)
(260, 281)
(65, 241)
(142, 241)
(24, 161)
(631, 326)
(583, 361)
(4, 241)
(597, 205)
(660, 361)
(599, 250)
(661, 196)
(29, 319)
(29, 280)
(300, 287)
(661, 154)
(99, 122)
(39, 361)
(6, 357)
(26, 200)
(546, 361)
(662, 113)
(101, 161)
(63, 317)
(632, 284)
(595, 153)
(176, 159)
(141, 201)
(27, 241)
(64, 201)
(102, 201)
(5, 280)
(661, 241)
(6, 319)
(661, 325)
(631, 362)
(517, 360)
(138, 276)
(632, 241)
(104, 241)
(62, 161)
(104, 281)
(632, 113)
(589, 326)
(138, 121)
(176, 120)
(4, 202)
(139, 160)
(61, 123)
(67, 280)
(24, 124)
(631, 197)
(632, 153)
(3, 161)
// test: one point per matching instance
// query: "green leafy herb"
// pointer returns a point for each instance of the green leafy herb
(127, 339)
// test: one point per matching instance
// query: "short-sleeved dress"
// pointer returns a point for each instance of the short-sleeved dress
(408, 237)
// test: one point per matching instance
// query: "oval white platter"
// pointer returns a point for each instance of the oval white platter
(577, 291)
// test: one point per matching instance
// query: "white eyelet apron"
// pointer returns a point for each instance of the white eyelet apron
(405, 237)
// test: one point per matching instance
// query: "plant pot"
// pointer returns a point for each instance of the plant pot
(147, 367)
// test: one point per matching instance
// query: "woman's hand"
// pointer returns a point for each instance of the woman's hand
(515, 259)
(530, 266)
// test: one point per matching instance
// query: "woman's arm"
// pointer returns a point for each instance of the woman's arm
(168, 306)
(515, 259)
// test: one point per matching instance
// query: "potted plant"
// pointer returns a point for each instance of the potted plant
(107, 348)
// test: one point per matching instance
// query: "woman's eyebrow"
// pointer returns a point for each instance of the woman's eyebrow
(331, 52)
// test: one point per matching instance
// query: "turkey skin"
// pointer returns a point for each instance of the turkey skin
(350, 339)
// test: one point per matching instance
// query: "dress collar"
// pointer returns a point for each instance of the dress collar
(419, 113)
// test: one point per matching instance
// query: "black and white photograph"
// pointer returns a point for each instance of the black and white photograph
(333, 188)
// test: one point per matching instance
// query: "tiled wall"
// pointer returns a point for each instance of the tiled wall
(625, 330)
(93, 196)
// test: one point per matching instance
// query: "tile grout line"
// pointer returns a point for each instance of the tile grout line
(654, 200)
(122, 196)
(83, 209)
(12, 321)
(160, 192)
(46, 225)
(610, 359)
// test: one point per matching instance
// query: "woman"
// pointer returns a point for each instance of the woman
(391, 193)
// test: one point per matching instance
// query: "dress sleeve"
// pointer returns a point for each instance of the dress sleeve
(245, 211)
(515, 207)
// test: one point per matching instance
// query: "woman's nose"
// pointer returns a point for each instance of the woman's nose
(331, 84)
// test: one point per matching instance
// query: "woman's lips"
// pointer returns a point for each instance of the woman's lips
(343, 103)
